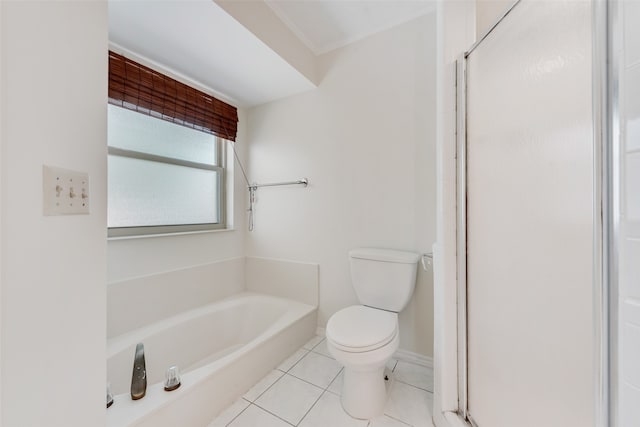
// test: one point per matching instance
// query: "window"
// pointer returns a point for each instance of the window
(166, 163)
(163, 177)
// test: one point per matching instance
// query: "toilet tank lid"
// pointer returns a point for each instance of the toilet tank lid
(387, 255)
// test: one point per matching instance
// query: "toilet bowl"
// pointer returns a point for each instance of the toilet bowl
(364, 337)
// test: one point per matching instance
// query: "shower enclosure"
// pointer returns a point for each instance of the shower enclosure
(549, 217)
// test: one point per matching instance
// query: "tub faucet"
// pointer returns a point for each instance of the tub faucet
(139, 376)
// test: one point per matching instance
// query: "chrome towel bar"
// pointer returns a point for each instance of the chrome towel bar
(302, 181)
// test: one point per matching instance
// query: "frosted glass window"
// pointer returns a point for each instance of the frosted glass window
(146, 193)
(133, 131)
(163, 177)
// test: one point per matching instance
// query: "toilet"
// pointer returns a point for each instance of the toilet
(364, 337)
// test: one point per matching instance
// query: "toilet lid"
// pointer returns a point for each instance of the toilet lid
(360, 328)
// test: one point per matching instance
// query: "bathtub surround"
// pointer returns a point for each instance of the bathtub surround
(285, 279)
(137, 302)
(141, 301)
(366, 140)
(54, 91)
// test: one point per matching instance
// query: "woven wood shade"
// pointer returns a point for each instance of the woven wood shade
(139, 88)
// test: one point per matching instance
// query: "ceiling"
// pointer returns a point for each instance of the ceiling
(196, 38)
(201, 40)
(324, 25)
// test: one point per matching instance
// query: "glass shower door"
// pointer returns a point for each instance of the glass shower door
(529, 223)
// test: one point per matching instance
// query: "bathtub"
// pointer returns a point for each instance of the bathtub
(221, 349)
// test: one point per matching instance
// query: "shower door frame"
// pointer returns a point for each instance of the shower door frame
(605, 201)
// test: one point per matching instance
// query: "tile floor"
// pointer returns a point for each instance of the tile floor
(305, 391)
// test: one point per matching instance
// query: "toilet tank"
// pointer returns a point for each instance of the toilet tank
(383, 278)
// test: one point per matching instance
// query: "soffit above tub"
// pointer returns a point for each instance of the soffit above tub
(325, 25)
(197, 39)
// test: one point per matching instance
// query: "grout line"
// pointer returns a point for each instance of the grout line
(298, 361)
(323, 355)
(308, 382)
(275, 415)
(319, 342)
(333, 380)
(305, 355)
(234, 418)
(414, 386)
(281, 376)
(395, 419)
(312, 406)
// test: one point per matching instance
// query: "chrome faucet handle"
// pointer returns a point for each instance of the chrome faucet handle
(139, 375)
(109, 395)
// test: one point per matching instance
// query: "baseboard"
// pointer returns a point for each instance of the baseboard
(415, 358)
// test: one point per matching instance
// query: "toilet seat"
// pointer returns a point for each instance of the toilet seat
(358, 328)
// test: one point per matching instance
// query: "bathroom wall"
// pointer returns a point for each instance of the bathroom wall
(366, 140)
(488, 12)
(629, 238)
(129, 258)
(54, 91)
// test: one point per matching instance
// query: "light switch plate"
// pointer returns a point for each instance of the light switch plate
(65, 192)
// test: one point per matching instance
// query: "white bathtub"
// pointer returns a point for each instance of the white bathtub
(221, 349)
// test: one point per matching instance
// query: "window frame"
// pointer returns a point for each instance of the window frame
(150, 230)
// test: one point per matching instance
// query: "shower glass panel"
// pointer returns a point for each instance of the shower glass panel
(626, 297)
(530, 222)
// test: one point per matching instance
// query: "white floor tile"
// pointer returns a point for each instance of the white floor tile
(292, 360)
(263, 385)
(230, 413)
(322, 348)
(336, 384)
(316, 369)
(415, 375)
(410, 405)
(289, 398)
(386, 421)
(328, 412)
(312, 342)
(254, 417)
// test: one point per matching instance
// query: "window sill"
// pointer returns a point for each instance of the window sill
(181, 233)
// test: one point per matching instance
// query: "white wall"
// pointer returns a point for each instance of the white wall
(129, 258)
(262, 21)
(488, 12)
(629, 250)
(366, 140)
(54, 91)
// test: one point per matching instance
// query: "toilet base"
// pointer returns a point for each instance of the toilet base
(364, 393)
(364, 390)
